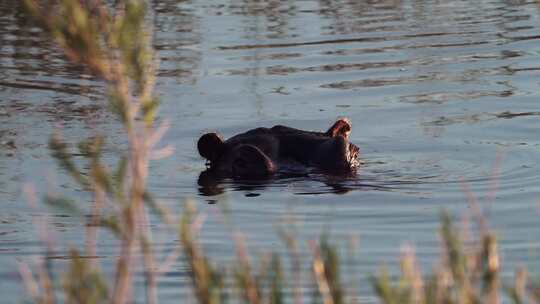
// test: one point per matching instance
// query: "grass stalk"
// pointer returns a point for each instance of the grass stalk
(113, 44)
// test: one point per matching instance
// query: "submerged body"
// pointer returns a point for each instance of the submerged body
(259, 152)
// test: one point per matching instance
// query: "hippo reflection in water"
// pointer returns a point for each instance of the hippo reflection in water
(260, 152)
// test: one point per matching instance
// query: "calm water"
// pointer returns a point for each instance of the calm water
(441, 94)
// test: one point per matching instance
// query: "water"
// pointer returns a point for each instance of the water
(442, 96)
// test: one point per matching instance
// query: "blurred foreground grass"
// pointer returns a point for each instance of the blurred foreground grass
(468, 272)
(113, 43)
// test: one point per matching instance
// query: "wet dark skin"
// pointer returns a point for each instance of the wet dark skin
(257, 153)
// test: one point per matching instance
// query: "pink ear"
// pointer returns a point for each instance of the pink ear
(342, 127)
(210, 146)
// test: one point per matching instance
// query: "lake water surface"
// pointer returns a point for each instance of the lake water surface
(442, 96)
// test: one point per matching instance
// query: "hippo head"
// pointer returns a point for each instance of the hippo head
(336, 155)
(258, 152)
(242, 160)
(341, 155)
(330, 151)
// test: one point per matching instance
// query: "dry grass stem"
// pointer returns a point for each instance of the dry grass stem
(30, 284)
(169, 261)
(320, 274)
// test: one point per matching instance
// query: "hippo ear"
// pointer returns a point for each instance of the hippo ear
(210, 146)
(342, 127)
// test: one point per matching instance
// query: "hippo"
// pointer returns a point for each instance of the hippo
(259, 152)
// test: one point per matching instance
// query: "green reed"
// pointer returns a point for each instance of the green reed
(112, 43)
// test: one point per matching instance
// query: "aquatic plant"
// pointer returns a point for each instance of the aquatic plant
(468, 272)
(114, 45)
